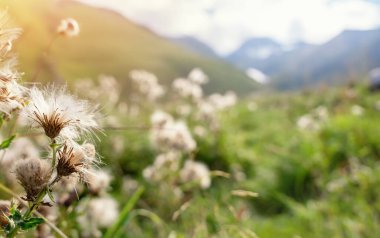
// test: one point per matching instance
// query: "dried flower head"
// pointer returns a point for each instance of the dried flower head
(34, 175)
(59, 113)
(76, 159)
(68, 162)
(4, 212)
(68, 27)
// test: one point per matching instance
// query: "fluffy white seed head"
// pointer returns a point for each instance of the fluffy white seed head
(68, 27)
(196, 172)
(165, 165)
(198, 76)
(59, 113)
(147, 84)
(187, 89)
(103, 211)
(172, 135)
(98, 181)
(11, 93)
(33, 174)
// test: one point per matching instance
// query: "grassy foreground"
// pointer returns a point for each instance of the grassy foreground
(315, 177)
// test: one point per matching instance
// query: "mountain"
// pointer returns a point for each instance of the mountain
(254, 51)
(108, 44)
(346, 57)
(195, 45)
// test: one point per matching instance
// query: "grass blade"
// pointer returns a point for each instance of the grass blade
(123, 217)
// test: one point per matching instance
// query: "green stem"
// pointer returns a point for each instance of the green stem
(13, 232)
(40, 196)
(29, 212)
(54, 146)
(35, 204)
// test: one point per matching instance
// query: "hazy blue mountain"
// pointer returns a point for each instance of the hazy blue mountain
(347, 56)
(254, 52)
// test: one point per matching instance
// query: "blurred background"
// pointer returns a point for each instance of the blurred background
(289, 44)
(303, 132)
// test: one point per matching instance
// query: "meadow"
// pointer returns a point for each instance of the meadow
(173, 160)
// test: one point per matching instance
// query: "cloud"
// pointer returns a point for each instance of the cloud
(225, 24)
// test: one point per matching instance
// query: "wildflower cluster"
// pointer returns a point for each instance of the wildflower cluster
(52, 177)
(314, 120)
(173, 138)
(147, 84)
(11, 92)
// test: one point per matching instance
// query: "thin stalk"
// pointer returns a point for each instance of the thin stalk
(124, 215)
(54, 146)
(35, 204)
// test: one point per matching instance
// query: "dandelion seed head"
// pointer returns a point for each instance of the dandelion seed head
(4, 212)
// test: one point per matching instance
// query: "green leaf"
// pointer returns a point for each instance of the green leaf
(31, 223)
(6, 143)
(15, 215)
(50, 195)
(124, 215)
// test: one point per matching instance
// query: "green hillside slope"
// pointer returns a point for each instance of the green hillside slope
(108, 43)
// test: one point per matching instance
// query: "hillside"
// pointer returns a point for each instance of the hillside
(195, 45)
(108, 43)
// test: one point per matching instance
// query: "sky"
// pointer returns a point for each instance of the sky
(226, 24)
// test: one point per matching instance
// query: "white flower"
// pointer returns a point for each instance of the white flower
(11, 93)
(198, 76)
(60, 114)
(357, 110)
(306, 122)
(98, 181)
(160, 118)
(147, 84)
(221, 102)
(173, 135)
(68, 27)
(187, 89)
(103, 211)
(314, 120)
(196, 172)
(165, 165)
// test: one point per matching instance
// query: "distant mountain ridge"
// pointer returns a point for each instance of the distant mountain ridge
(348, 56)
